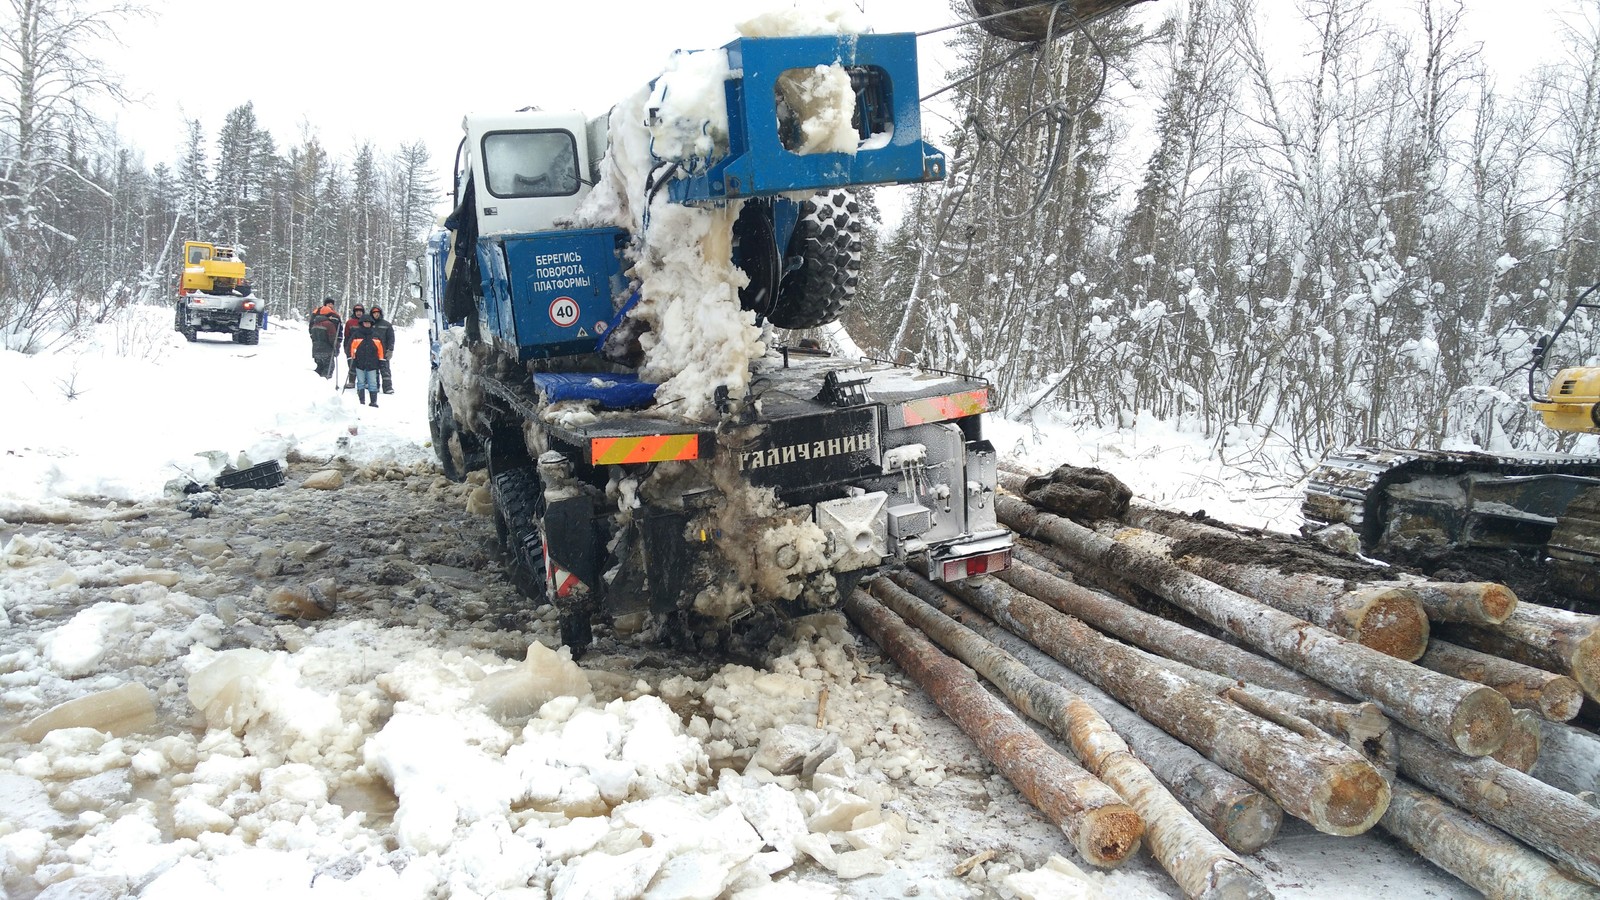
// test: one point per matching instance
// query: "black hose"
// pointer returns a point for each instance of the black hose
(1537, 365)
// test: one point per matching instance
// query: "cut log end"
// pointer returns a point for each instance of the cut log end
(1392, 621)
(1481, 722)
(1561, 700)
(1351, 801)
(1250, 823)
(1230, 880)
(1586, 663)
(1521, 749)
(1109, 835)
(1497, 603)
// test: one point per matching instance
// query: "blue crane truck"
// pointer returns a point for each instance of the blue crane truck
(711, 530)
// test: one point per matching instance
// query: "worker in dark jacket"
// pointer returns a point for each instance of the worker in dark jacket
(383, 330)
(366, 358)
(358, 317)
(324, 338)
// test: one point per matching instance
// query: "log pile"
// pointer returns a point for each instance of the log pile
(1215, 681)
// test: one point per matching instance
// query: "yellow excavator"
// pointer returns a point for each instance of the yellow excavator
(1528, 520)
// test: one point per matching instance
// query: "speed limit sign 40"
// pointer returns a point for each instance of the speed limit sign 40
(564, 312)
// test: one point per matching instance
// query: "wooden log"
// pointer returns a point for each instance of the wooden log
(1479, 855)
(1197, 861)
(1361, 726)
(1312, 777)
(1555, 697)
(1470, 602)
(1569, 759)
(1389, 620)
(1482, 603)
(1469, 717)
(1541, 636)
(1550, 820)
(1521, 749)
(1154, 633)
(1102, 828)
(1241, 816)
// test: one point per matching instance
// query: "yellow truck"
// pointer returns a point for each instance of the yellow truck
(214, 294)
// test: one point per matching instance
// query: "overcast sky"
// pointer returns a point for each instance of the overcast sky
(391, 72)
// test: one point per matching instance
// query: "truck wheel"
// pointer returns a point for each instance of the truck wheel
(459, 452)
(516, 520)
(827, 241)
(248, 337)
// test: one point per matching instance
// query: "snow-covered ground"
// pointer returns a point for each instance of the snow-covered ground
(422, 740)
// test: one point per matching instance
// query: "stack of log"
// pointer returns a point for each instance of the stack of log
(1208, 681)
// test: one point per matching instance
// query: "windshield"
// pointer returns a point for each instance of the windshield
(530, 163)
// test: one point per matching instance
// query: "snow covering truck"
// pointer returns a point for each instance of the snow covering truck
(214, 294)
(592, 299)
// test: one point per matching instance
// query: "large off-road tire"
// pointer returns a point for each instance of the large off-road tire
(827, 241)
(459, 451)
(517, 497)
(180, 323)
(248, 336)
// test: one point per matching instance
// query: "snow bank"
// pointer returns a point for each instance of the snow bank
(190, 409)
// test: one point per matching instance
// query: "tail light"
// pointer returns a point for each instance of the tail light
(249, 305)
(959, 569)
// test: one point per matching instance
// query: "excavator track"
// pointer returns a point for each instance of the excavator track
(1477, 514)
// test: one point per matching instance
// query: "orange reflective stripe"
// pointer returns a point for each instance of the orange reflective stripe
(650, 448)
(940, 409)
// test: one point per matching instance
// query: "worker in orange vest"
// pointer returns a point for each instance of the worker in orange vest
(366, 359)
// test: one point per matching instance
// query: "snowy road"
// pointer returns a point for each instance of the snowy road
(402, 746)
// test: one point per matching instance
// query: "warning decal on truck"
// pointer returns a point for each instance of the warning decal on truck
(653, 448)
(941, 409)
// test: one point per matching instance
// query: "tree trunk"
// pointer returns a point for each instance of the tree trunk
(1460, 714)
(1444, 601)
(1155, 633)
(1556, 697)
(1103, 829)
(1470, 602)
(1389, 620)
(1198, 862)
(1243, 817)
(1312, 777)
(1475, 853)
(1360, 726)
(1553, 639)
(1547, 819)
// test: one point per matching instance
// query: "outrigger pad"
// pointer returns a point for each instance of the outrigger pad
(610, 391)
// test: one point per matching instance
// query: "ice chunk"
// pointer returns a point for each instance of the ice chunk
(27, 804)
(601, 876)
(518, 692)
(1057, 879)
(313, 602)
(76, 648)
(326, 480)
(119, 711)
(219, 689)
(837, 810)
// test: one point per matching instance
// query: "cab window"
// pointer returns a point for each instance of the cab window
(198, 255)
(530, 163)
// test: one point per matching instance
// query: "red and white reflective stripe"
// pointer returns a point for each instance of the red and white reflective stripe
(562, 580)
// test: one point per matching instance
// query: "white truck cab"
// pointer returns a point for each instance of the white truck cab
(531, 169)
